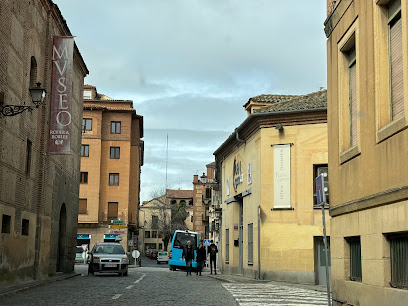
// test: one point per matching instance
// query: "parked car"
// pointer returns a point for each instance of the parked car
(162, 256)
(148, 252)
(80, 254)
(153, 254)
(108, 257)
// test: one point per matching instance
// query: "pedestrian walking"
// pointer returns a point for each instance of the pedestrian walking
(213, 250)
(188, 256)
(200, 257)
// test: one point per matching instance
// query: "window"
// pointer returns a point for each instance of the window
(25, 226)
(250, 243)
(227, 244)
(87, 94)
(6, 224)
(317, 170)
(191, 218)
(83, 206)
(113, 179)
(115, 127)
(249, 174)
(84, 177)
(399, 260)
(155, 221)
(28, 157)
(182, 204)
(147, 234)
(355, 258)
(84, 150)
(112, 211)
(395, 59)
(227, 187)
(208, 193)
(86, 124)
(352, 72)
(160, 246)
(114, 152)
(33, 72)
(154, 234)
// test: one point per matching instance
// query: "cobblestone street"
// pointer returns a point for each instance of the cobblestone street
(156, 284)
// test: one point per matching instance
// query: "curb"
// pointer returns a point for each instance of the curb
(16, 288)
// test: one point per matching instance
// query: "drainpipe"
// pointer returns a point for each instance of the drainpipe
(237, 137)
(259, 241)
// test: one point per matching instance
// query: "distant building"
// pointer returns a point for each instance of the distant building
(202, 201)
(183, 198)
(38, 191)
(271, 225)
(368, 144)
(111, 159)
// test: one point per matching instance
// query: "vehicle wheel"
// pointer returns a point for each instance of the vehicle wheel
(172, 268)
(125, 273)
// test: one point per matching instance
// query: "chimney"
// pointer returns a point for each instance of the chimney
(195, 179)
(210, 172)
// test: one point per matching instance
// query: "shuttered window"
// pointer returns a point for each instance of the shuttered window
(395, 49)
(355, 258)
(353, 96)
(83, 206)
(112, 211)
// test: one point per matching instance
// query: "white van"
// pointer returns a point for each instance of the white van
(162, 256)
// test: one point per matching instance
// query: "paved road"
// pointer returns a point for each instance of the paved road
(150, 284)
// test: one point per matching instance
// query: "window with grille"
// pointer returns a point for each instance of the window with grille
(84, 177)
(399, 260)
(6, 224)
(317, 170)
(250, 243)
(86, 124)
(249, 174)
(113, 179)
(83, 206)
(115, 127)
(395, 59)
(355, 258)
(84, 150)
(114, 152)
(147, 234)
(154, 234)
(112, 211)
(227, 244)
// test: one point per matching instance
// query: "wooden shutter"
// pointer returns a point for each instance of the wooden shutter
(82, 206)
(353, 105)
(112, 210)
(397, 84)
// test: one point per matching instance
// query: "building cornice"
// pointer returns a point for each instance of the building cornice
(333, 19)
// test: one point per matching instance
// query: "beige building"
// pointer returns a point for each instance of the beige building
(38, 191)
(368, 143)
(111, 160)
(202, 201)
(271, 226)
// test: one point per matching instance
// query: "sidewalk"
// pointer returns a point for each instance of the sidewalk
(14, 288)
(242, 279)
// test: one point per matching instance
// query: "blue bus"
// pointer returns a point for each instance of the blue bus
(178, 242)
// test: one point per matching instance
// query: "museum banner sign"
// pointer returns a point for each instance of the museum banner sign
(281, 176)
(61, 95)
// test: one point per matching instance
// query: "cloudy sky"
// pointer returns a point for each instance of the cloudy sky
(190, 65)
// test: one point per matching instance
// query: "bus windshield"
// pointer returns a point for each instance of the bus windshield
(181, 240)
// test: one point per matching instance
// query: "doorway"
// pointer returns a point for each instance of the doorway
(241, 236)
(62, 239)
(320, 264)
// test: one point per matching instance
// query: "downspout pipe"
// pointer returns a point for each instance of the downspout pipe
(237, 136)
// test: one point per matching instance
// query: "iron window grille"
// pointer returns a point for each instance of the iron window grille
(227, 244)
(399, 260)
(250, 243)
(355, 258)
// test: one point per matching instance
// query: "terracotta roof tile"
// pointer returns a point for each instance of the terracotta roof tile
(310, 101)
(174, 193)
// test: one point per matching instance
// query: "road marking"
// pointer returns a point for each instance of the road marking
(129, 287)
(138, 280)
(116, 296)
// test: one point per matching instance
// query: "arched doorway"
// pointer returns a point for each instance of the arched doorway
(62, 239)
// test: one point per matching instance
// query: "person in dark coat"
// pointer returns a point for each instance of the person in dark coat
(201, 254)
(213, 250)
(188, 255)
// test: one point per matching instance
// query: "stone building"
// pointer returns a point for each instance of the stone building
(38, 186)
(111, 159)
(367, 60)
(271, 225)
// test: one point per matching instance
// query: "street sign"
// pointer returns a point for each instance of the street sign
(116, 232)
(117, 226)
(139, 242)
(117, 221)
(320, 194)
(84, 247)
(135, 254)
(130, 242)
(207, 242)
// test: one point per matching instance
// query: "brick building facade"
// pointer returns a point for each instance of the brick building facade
(38, 191)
